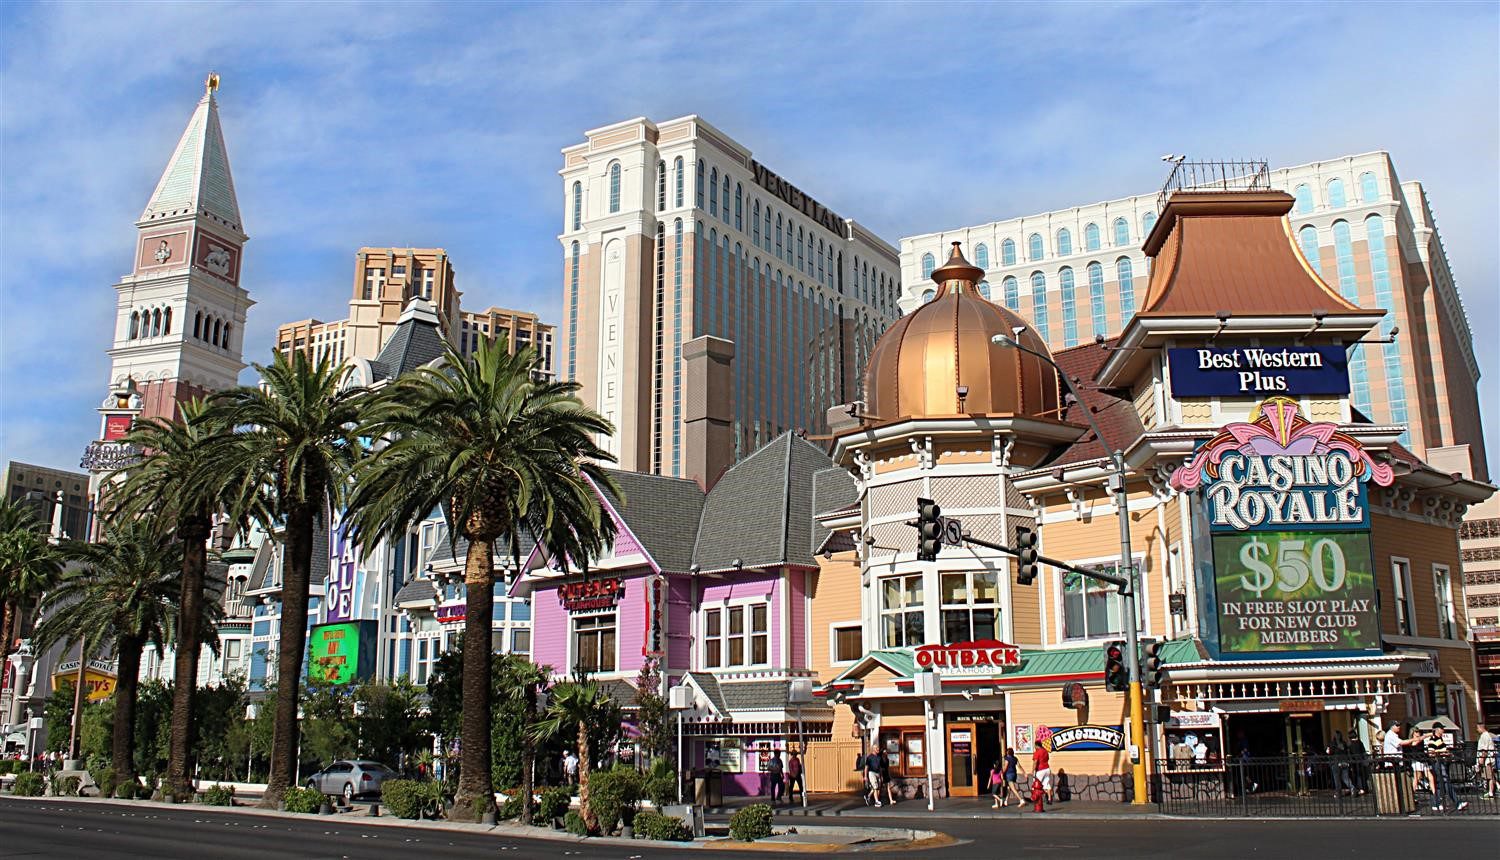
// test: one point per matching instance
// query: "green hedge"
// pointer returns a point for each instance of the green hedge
(406, 798)
(104, 777)
(613, 795)
(751, 823)
(218, 795)
(654, 825)
(29, 784)
(305, 800)
(125, 791)
(554, 804)
(574, 824)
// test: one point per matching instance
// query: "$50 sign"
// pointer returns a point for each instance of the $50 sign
(1295, 591)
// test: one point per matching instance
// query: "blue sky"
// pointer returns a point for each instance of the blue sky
(440, 125)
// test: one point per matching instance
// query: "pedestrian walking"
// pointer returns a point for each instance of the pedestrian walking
(794, 780)
(775, 772)
(1041, 767)
(1484, 761)
(1011, 776)
(1439, 756)
(1360, 759)
(872, 777)
(1338, 765)
(570, 767)
(997, 783)
(886, 782)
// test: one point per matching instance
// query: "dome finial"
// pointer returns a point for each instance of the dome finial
(211, 84)
(958, 274)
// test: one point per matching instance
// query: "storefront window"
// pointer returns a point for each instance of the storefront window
(1091, 609)
(901, 603)
(905, 752)
(971, 606)
(594, 642)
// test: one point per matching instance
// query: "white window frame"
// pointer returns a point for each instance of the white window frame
(1442, 588)
(573, 656)
(833, 641)
(903, 610)
(970, 605)
(746, 605)
(1403, 599)
(1139, 560)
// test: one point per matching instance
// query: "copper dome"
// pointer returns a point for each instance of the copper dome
(919, 364)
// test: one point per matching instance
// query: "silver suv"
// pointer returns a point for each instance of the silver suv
(351, 779)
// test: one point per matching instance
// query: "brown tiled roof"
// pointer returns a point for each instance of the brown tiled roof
(1232, 251)
(1117, 417)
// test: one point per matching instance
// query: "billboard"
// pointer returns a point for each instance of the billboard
(1285, 498)
(1238, 371)
(341, 653)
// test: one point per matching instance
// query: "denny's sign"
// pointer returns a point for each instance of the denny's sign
(1290, 525)
(592, 594)
(981, 657)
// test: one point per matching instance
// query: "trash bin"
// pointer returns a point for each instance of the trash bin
(1393, 793)
(708, 789)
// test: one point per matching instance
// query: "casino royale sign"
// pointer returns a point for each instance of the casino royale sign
(981, 657)
(1226, 372)
(796, 199)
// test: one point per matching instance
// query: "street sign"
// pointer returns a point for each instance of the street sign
(953, 531)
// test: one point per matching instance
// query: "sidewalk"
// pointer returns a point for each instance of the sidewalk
(852, 806)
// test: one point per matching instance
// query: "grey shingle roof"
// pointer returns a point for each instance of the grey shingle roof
(446, 552)
(710, 687)
(415, 342)
(663, 514)
(833, 490)
(760, 512)
(623, 692)
(419, 590)
(730, 697)
(318, 570)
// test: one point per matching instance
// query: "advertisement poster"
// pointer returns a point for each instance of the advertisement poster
(341, 653)
(1024, 741)
(1295, 591)
(730, 758)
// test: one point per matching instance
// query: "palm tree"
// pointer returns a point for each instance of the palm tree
(123, 595)
(500, 449)
(574, 704)
(520, 682)
(295, 436)
(29, 564)
(180, 482)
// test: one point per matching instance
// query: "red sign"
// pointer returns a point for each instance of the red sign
(116, 426)
(982, 657)
(452, 613)
(594, 594)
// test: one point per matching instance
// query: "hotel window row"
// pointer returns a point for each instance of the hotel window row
(1062, 244)
(1334, 194)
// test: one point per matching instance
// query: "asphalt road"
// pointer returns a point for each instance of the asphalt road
(62, 829)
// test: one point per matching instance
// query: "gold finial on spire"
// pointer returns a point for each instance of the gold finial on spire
(211, 84)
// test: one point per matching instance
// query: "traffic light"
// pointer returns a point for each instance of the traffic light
(1153, 670)
(1116, 676)
(1026, 554)
(929, 529)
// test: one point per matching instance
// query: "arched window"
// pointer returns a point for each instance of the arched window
(156, 323)
(1064, 242)
(801, 257)
(928, 264)
(1148, 221)
(1122, 232)
(726, 197)
(767, 246)
(1069, 307)
(928, 295)
(166, 321)
(215, 338)
(984, 289)
(1007, 253)
(1039, 304)
(1380, 277)
(661, 186)
(1336, 198)
(822, 277)
(573, 251)
(225, 342)
(1303, 195)
(677, 177)
(1307, 239)
(1034, 246)
(755, 223)
(739, 206)
(698, 186)
(713, 191)
(1091, 237)
(1012, 293)
(791, 242)
(1125, 275)
(779, 248)
(1096, 300)
(614, 187)
(135, 324)
(198, 325)
(982, 256)
(577, 205)
(1369, 190)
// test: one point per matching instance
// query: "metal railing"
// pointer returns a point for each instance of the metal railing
(1323, 786)
(1254, 175)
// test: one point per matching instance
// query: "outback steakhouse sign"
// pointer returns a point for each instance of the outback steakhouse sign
(593, 594)
(982, 657)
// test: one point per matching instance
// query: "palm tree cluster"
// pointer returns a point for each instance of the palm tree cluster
(508, 455)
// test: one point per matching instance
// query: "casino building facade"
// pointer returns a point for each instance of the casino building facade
(1297, 564)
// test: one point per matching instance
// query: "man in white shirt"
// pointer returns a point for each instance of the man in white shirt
(1485, 760)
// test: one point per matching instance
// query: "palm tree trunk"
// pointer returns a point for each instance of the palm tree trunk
(590, 820)
(296, 569)
(6, 637)
(474, 782)
(194, 534)
(128, 654)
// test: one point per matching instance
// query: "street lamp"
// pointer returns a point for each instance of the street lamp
(1127, 570)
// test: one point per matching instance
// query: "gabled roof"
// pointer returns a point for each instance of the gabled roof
(415, 342)
(662, 513)
(420, 590)
(760, 513)
(833, 490)
(197, 178)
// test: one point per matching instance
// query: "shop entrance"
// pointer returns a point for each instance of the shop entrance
(973, 747)
(1267, 735)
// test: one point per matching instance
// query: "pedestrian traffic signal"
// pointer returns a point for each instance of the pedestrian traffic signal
(1026, 554)
(929, 529)
(1153, 669)
(1116, 676)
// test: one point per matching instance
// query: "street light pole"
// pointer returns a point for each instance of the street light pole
(1127, 569)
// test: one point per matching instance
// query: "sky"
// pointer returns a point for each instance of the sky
(440, 125)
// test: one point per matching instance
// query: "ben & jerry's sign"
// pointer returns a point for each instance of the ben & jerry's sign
(1289, 521)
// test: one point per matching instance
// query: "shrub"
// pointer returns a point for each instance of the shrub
(654, 825)
(6, 766)
(28, 784)
(511, 808)
(218, 795)
(104, 777)
(143, 792)
(751, 823)
(406, 798)
(554, 805)
(305, 800)
(613, 795)
(65, 786)
(126, 791)
(573, 823)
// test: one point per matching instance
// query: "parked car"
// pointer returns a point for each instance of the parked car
(351, 779)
